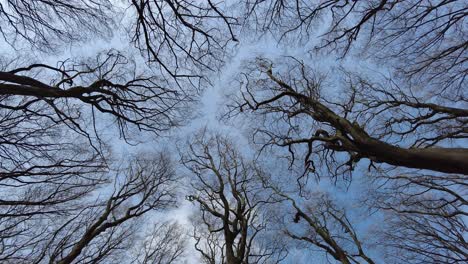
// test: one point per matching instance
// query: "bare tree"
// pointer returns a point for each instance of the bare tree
(230, 199)
(90, 231)
(414, 149)
(337, 127)
(53, 157)
(44, 105)
(413, 119)
(148, 185)
(110, 84)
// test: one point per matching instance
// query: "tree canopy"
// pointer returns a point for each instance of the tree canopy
(252, 131)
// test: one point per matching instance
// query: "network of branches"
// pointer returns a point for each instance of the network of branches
(354, 151)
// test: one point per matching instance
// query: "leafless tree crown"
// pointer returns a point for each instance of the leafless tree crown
(389, 117)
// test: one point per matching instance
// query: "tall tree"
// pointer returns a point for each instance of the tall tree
(229, 195)
(404, 127)
(56, 117)
(85, 229)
